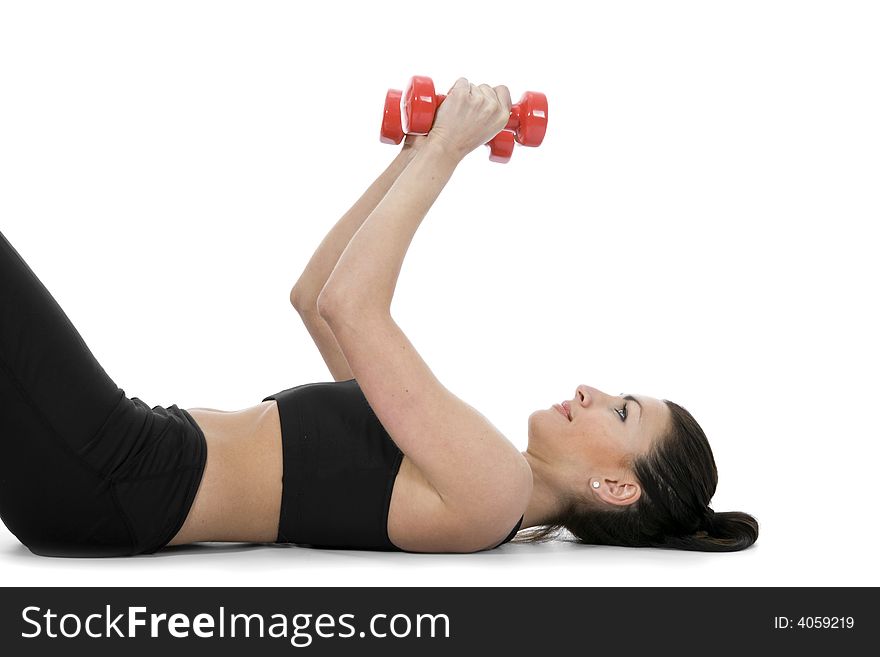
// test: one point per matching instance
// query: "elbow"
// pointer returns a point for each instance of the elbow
(330, 303)
(335, 304)
(301, 301)
(327, 302)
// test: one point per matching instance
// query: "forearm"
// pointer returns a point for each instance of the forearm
(304, 293)
(366, 273)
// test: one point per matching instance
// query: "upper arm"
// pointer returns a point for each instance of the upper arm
(476, 470)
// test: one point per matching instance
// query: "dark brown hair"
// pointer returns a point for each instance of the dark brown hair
(678, 478)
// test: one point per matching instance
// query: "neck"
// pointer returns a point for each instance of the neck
(544, 504)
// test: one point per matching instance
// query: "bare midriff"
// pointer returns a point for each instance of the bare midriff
(239, 497)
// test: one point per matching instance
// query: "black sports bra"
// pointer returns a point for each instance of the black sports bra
(339, 469)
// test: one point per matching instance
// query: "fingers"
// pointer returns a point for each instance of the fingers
(462, 85)
(504, 97)
(501, 93)
(487, 91)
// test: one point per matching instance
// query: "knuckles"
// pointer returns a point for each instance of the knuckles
(486, 103)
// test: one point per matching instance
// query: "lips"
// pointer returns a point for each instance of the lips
(567, 409)
(563, 410)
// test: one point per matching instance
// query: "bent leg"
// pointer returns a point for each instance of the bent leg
(46, 356)
(54, 399)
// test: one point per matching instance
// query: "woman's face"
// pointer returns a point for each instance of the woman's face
(601, 434)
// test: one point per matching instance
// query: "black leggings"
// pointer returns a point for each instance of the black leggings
(85, 471)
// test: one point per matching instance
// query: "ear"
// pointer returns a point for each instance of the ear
(614, 491)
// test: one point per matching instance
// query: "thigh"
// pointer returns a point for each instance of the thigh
(54, 399)
(46, 360)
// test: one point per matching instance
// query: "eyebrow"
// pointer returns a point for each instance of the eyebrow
(633, 399)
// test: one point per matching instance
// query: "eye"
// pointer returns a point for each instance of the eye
(622, 413)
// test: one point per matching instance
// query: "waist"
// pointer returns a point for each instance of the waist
(240, 495)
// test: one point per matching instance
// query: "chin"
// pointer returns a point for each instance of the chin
(541, 425)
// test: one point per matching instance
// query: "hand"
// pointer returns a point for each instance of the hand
(470, 116)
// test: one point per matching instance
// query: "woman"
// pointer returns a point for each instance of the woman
(383, 458)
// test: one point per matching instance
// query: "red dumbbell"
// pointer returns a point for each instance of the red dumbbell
(412, 112)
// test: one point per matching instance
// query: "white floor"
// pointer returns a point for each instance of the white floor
(770, 562)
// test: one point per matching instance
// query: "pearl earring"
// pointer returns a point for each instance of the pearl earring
(595, 484)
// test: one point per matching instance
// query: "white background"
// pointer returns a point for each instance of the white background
(699, 225)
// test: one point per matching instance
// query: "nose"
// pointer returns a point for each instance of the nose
(584, 395)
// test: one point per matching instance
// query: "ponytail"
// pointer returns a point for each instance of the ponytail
(727, 531)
